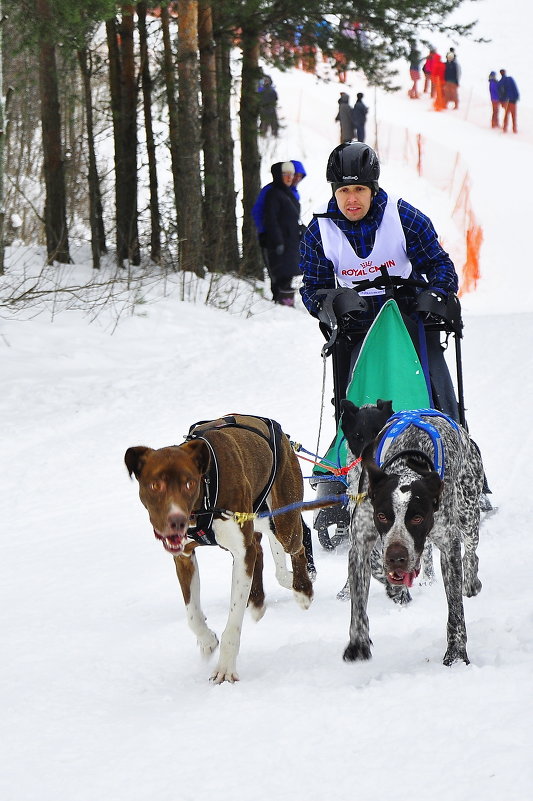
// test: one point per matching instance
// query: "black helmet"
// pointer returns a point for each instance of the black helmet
(353, 163)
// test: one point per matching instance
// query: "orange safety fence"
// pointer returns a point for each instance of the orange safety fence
(474, 238)
(445, 169)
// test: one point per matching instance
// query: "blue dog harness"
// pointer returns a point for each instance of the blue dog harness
(400, 421)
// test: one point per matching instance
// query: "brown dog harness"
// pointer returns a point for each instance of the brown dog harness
(202, 532)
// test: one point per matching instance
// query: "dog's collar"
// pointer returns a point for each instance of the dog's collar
(412, 454)
(402, 420)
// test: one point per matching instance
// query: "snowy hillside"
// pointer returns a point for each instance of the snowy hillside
(104, 694)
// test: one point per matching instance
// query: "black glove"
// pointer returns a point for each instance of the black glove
(280, 250)
(443, 308)
(432, 304)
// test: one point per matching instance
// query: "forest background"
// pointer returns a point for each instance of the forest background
(104, 102)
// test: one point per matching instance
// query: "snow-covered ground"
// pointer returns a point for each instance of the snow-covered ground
(103, 692)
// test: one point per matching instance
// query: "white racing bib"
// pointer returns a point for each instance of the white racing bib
(389, 250)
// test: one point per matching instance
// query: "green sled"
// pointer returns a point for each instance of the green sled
(387, 367)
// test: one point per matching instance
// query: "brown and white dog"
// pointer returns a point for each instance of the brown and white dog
(253, 465)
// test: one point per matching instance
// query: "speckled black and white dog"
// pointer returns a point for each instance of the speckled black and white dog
(425, 478)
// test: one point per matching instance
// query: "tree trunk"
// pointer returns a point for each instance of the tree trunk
(130, 236)
(57, 246)
(228, 225)
(190, 201)
(250, 158)
(212, 197)
(170, 84)
(98, 244)
(116, 112)
(2, 150)
(155, 218)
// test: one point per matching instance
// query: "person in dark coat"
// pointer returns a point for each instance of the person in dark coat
(495, 100)
(282, 232)
(258, 209)
(344, 116)
(508, 92)
(452, 73)
(359, 117)
(414, 71)
(268, 101)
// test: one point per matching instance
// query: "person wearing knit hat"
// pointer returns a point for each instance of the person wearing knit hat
(258, 209)
(287, 168)
(281, 235)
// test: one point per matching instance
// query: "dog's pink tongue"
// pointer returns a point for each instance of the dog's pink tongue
(408, 578)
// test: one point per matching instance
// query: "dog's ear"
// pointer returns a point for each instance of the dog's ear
(199, 453)
(385, 406)
(349, 413)
(135, 458)
(348, 407)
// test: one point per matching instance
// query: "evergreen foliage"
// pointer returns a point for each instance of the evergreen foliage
(367, 35)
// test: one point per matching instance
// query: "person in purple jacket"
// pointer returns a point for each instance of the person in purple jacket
(495, 100)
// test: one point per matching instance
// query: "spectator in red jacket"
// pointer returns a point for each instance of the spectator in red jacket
(437, 73)
(427, 68)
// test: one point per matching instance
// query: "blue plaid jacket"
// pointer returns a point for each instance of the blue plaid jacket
(429, 261)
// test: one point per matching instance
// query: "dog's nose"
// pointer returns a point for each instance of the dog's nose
(397, 556)
(177, 523)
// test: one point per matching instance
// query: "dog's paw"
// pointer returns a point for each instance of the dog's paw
(399, 594)
(257, 612)
(222, 674)
(471, 588)
(357, 651)
(344, 594)
(303, 599)
(284, 579)
(207, 643)
(454, 655)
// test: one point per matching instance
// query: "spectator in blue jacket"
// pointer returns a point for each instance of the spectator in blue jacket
(509, 97)
(361, 228)
(299, 175)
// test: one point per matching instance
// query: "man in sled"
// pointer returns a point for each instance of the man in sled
(362, 227)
